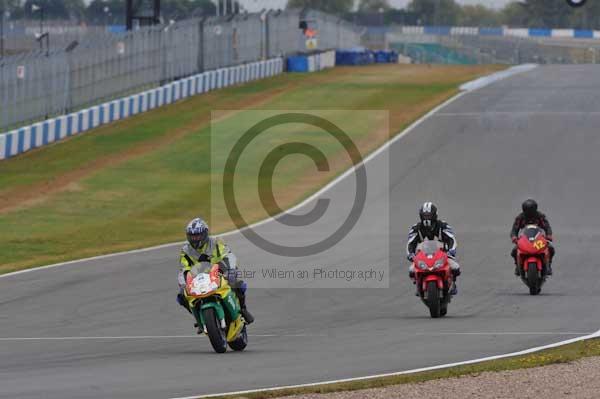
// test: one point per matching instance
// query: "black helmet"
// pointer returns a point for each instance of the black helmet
(428, 214)
(530, 208)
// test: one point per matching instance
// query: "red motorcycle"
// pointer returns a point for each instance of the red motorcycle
(532, 257)
(433, 277)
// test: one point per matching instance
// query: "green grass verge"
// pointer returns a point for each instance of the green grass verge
(135, 183)
(562, 354)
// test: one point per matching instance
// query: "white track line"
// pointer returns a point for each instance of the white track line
(164, 337)
(511, 333)
(144, 337)
(515, 113)
(419, 370)
(495, 77)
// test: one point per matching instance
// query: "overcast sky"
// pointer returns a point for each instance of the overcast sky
(255, 5)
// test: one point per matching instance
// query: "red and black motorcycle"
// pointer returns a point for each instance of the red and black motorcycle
(532, 257)
(433, 277)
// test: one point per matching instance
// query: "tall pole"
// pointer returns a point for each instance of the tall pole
(156, 12)
(436, 17)
(3, 11)
(41, 28)
(129, 14)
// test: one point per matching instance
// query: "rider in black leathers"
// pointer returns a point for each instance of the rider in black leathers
(531, 215)
(431, 228)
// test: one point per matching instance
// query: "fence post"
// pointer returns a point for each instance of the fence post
(266, 51)
(200, 61)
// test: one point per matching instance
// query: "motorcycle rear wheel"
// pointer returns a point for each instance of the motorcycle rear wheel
(433, 300)
(216, 335)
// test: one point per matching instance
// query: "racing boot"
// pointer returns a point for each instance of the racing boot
(549, 267)
(183, 302)
(413, 277)
(513, 254)
(241, 294)
(454, 288)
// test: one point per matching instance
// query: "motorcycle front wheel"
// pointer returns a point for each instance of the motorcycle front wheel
(216, 335)
(433, 300)
(533, 280)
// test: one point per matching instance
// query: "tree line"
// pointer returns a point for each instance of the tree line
(101, 12)
(519, 13)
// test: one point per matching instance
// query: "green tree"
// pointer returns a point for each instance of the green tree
(373, 5)
(13, 7)
(479, 15)
(56, 9)
(587, 17)
(179, 9)
(204, 7)
(513, 14)
(436, 12)
(101, 12)
(106, 12)
(547, 13)
(330, 6)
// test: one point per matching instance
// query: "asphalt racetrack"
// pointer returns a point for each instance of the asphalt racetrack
(110, 328)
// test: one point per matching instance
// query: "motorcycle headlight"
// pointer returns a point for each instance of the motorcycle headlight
(422, 265)
(438, 263)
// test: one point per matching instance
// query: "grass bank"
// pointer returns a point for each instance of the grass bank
(135, 183)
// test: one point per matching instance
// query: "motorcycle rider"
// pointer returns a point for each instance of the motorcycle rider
(431, 228)
(201, 247)
(531, 215)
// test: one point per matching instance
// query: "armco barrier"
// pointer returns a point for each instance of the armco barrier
(354, 57)
(43, 133)
(499, 31)
(540, 32)
(385, 57)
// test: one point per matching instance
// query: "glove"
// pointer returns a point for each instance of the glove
(514, 240)
(452, 253)
(204, 258)
(411, 257)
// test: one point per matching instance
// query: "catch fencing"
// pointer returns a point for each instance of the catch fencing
(49, 131)
(488, 49)
(51, 82)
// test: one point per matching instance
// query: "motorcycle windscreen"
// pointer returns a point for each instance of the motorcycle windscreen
(531, 232)
(201, 268)
(430, 247)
